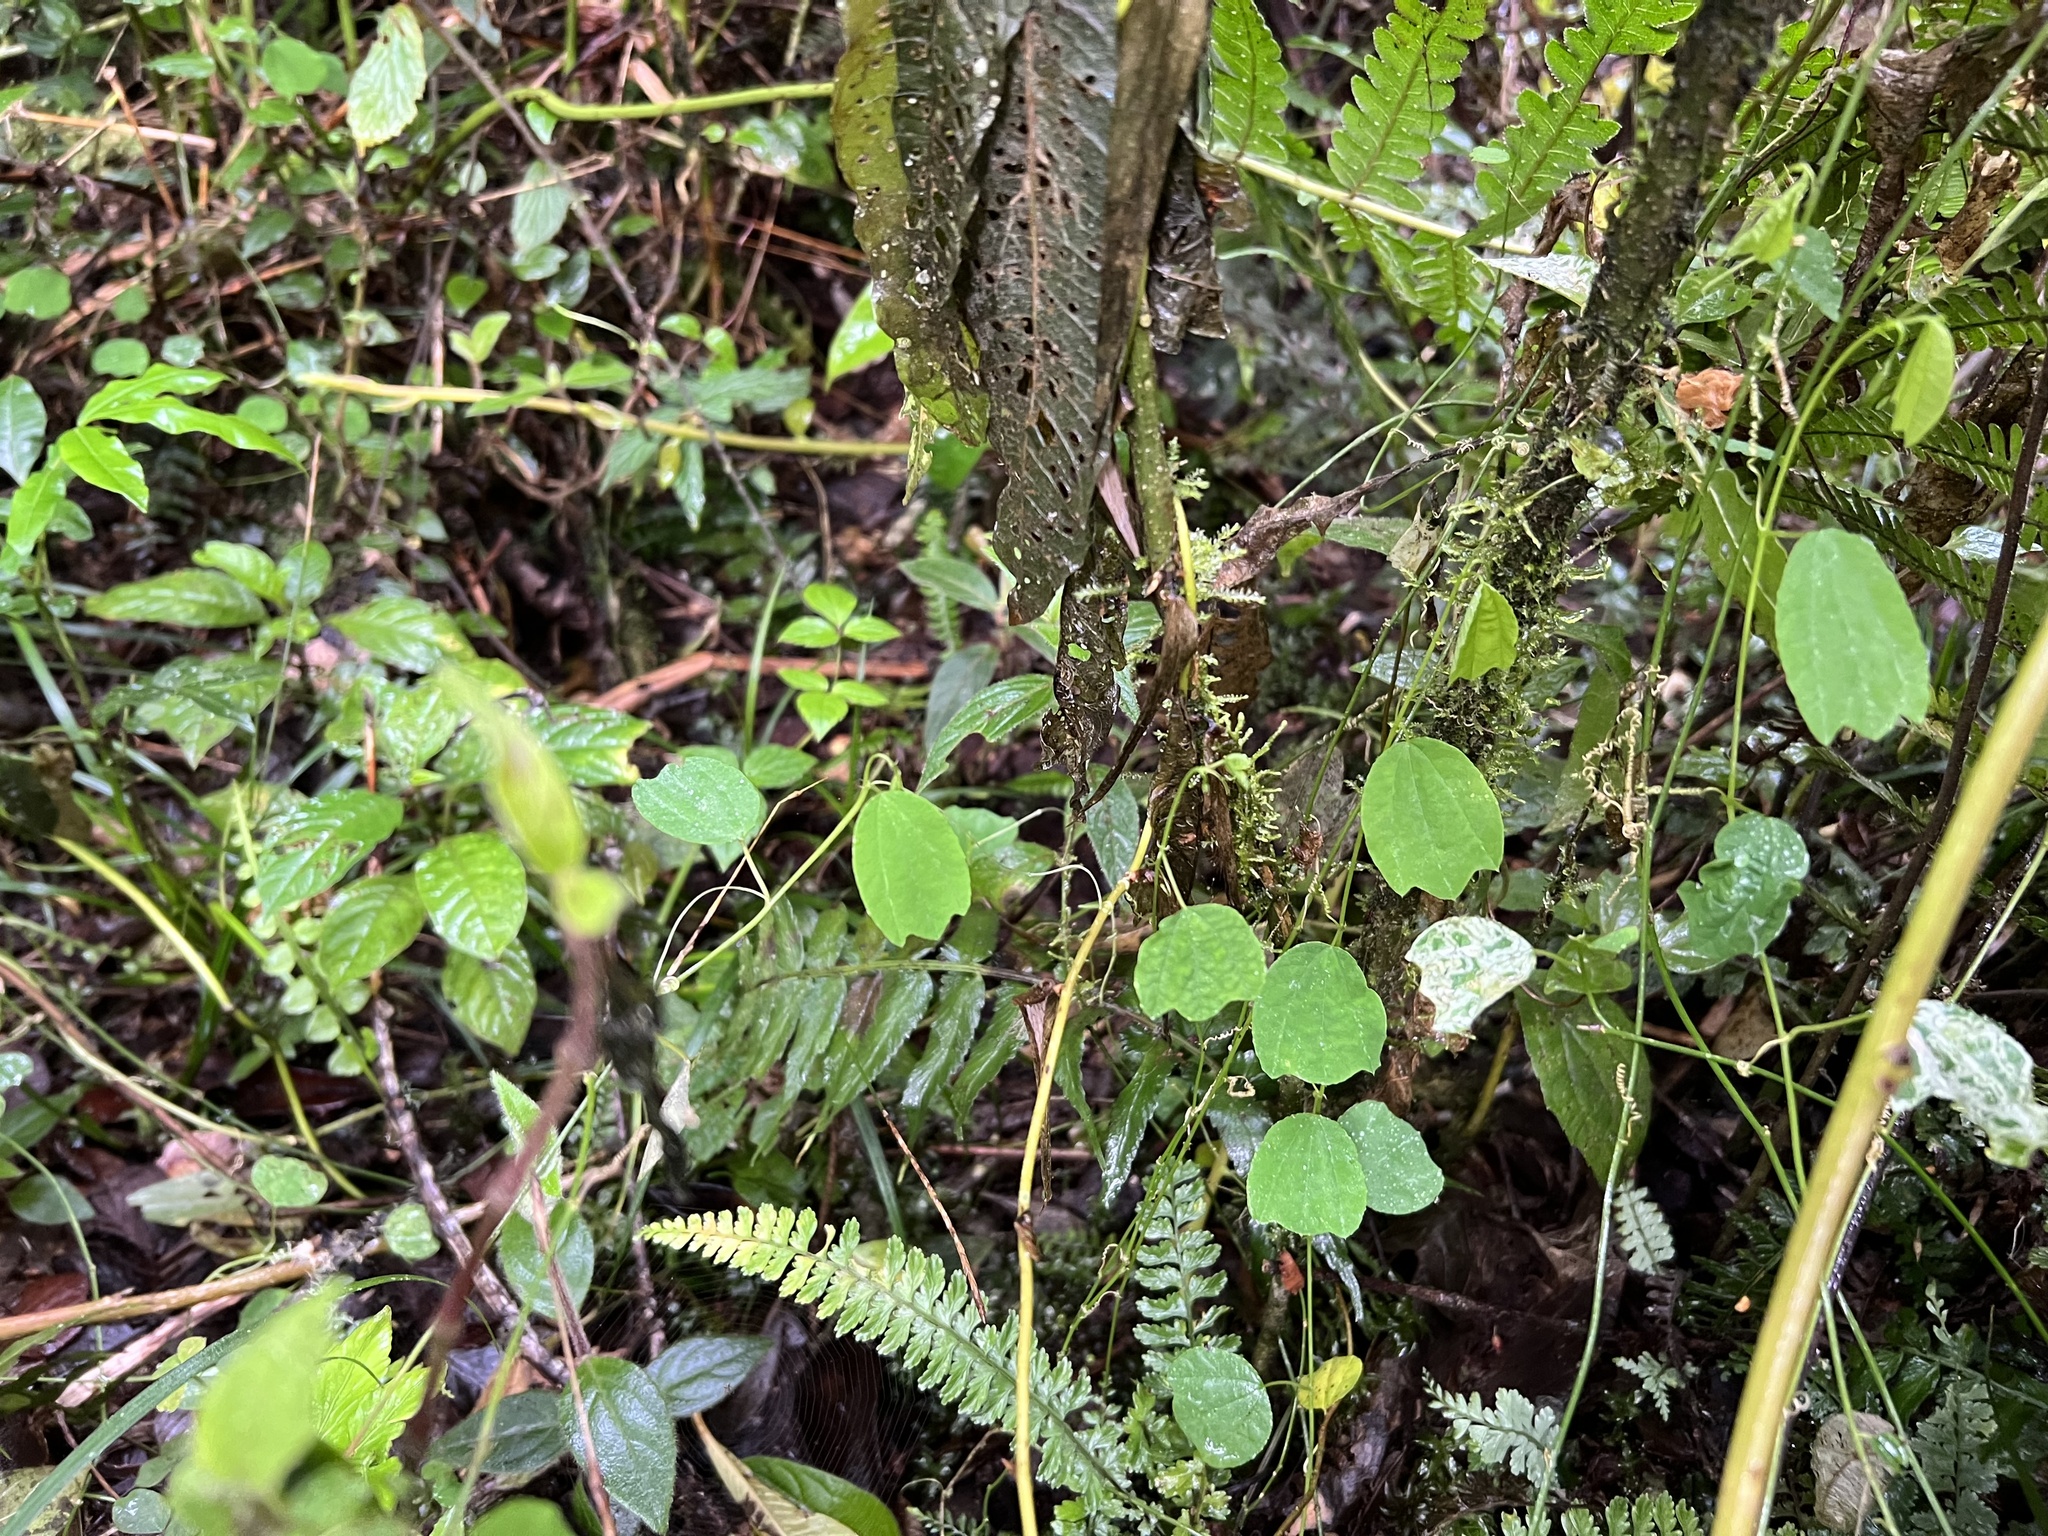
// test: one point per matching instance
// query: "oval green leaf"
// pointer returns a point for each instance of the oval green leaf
(1920, 398)
(1220, 1404)
(1306, 1177)
(526, 1267)
(409, 1232)
(1316, 1019)
(474, 890)
(1400, 1175)
(633, 1432)
(369, 925)
(1852, 651)
(702, 799)
(195, 599)
(909, 866)
(1430, 818)
(1198, 961)
(492, 999)
(288, 1183)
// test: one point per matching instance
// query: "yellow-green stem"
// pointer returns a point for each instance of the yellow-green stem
(1049, 1055)
(1852, 1137)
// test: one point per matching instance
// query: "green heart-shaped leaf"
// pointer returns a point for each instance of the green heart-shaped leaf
(1198, 961)
(1306, 1177)
(1430, 818)
(1316, 1019)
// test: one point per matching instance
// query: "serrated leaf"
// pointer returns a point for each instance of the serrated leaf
(1220, 1404)
(1315, 1017)
(527, 1436)
(697, 1374)
(22, 424)
(633, 1432)
(99, 458)
(702, 799)
(492, 999)
(388, 84)
(1851, 647)
(1199, 961)
(995, 714)
(1468, 964)
(1247, 85)
(1963, 1057)
(1400, 1175)
(369, 925)
(1035, 289)
(474, 890)
(908, 865)
(404, 632)
(1430, 818)
(196, 599)
(1306, 1177)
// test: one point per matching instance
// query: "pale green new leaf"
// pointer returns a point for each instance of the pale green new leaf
(388, 85)
(99, 458)
(1468, 964)
(1198, 961)
(1487, 636)
(1928, 378)
(1315, 1018)
(369, 925)
(1306, 1177)
(1852, 649)
(1962, 1056)
(474, 890)
(22, 423)
(910, 868)
(1431, 819)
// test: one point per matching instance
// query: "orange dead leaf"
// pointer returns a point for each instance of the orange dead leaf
(1710, 392)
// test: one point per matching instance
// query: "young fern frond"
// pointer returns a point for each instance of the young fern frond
(907, 1304)
(1558, 131)
(1645, 1234)
(1247, 85)
(1513, 1433)
(1177, 1267)
(1397, 107)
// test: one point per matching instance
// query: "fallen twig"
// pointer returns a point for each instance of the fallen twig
(636, 691)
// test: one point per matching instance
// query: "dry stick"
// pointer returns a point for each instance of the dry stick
(490, 1290)
(959, 1248)
(1851, 1142)
(1027, 1245)
(304, 1259)
(138, 1352)
(573, 1057)
(1888, 920)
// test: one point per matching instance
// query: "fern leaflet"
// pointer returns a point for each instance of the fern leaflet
(904, 1302)
(1645, 1234)
(1247, 85)
(1558, 132)
(1397, 105)
(1513, 1433)
(1177, 1267)
(1950, 1444)
(2000, 313)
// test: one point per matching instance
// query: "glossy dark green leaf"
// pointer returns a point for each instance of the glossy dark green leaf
(634, 1433)
(528, 1435)
(307, 847)
(1578, 1055)
(697, 1374)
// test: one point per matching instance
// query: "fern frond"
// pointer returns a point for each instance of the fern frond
(1989, 454)
(1247, 85)
(1645, 1234)
(1878, 521)
(1558, 132)
(1397, 106)
(2000, 313)
(1513, 1433)
(905, 1303)
(1177, 1267)
(1951, 1443)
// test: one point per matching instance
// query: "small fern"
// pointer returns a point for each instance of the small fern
(1645, 1234)
(1657, 1514)
(1247, 85)
(1950, 1444)
(904, 1302)
(1557, 132)
(1177, 1267)
(1513, 1433)
(1397, 107)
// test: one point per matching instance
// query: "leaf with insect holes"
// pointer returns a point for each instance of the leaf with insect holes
(1315, 1017)
(1852, 649)
(474, 890)
(1306, 1177)
(909, 866)
(1198, 961)
(388, 84)
(1430, 818)
(1220, 1404)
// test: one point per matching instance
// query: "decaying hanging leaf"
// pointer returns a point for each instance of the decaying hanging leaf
(1847, 1480)
(1091, 653)
(1711, 393)
(1184, 292)
(917, 90)
(1036, 288)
